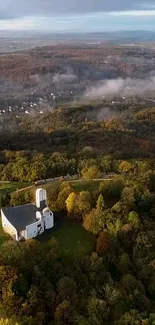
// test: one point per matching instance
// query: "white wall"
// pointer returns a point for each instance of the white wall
(49, 220)
(38, 215)
(8, 227)
(32, 230)
(41, 195)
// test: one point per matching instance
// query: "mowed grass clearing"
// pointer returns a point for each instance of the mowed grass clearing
(72, 238)
(80, 185)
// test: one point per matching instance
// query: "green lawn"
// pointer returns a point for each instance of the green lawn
(78, 186)
(73, 239)
(86, 185)
(11, 187)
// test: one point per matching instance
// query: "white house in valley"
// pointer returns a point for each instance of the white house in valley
(29, 220)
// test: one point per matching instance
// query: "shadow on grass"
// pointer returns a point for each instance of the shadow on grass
(72, 238)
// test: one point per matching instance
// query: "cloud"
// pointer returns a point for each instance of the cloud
(134, 13)
(64, 78)
(51, 7)
(88, 22)
(148, 6)
(74, 15)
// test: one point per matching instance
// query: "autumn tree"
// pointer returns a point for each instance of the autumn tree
(92, 172)
(62, 197)
(83, 204)
(70, 203)
(10, 321)
(102, 243)
(93, 221)
(78, 204)
(125, 167)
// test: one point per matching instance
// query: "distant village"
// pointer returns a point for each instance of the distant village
(41, 104)
(38, 104)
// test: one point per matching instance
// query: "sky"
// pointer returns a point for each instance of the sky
(77, 15)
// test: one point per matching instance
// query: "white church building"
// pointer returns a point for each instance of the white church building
(29, 220)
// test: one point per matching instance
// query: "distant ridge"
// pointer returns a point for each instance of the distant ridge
(112, 36)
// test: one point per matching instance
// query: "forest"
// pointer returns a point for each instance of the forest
(71, 138)
(113, 284)
(109, 143)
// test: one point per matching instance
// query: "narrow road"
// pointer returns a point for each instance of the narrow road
(52, 181)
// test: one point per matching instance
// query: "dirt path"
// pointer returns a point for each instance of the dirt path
(25, 188)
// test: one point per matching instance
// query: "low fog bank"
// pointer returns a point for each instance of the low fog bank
(105, 114)
(126, 87)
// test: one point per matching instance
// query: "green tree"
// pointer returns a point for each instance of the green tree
(100, 203)
(65, 314)
(145, 201)
(33, 298)
(97, 311)
(12, 321)
(67, 290)
(134, 220)
(124, 263)
(133, 318)
(151, 286)
(127, 197)
(38, 167)
(21, 170)
(4, 200)
(106, 164)
(112, 188)
(18, 198)
(27, 197)
(11, 253)
(112, 294)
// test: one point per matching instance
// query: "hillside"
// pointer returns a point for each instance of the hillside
(82, 112)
